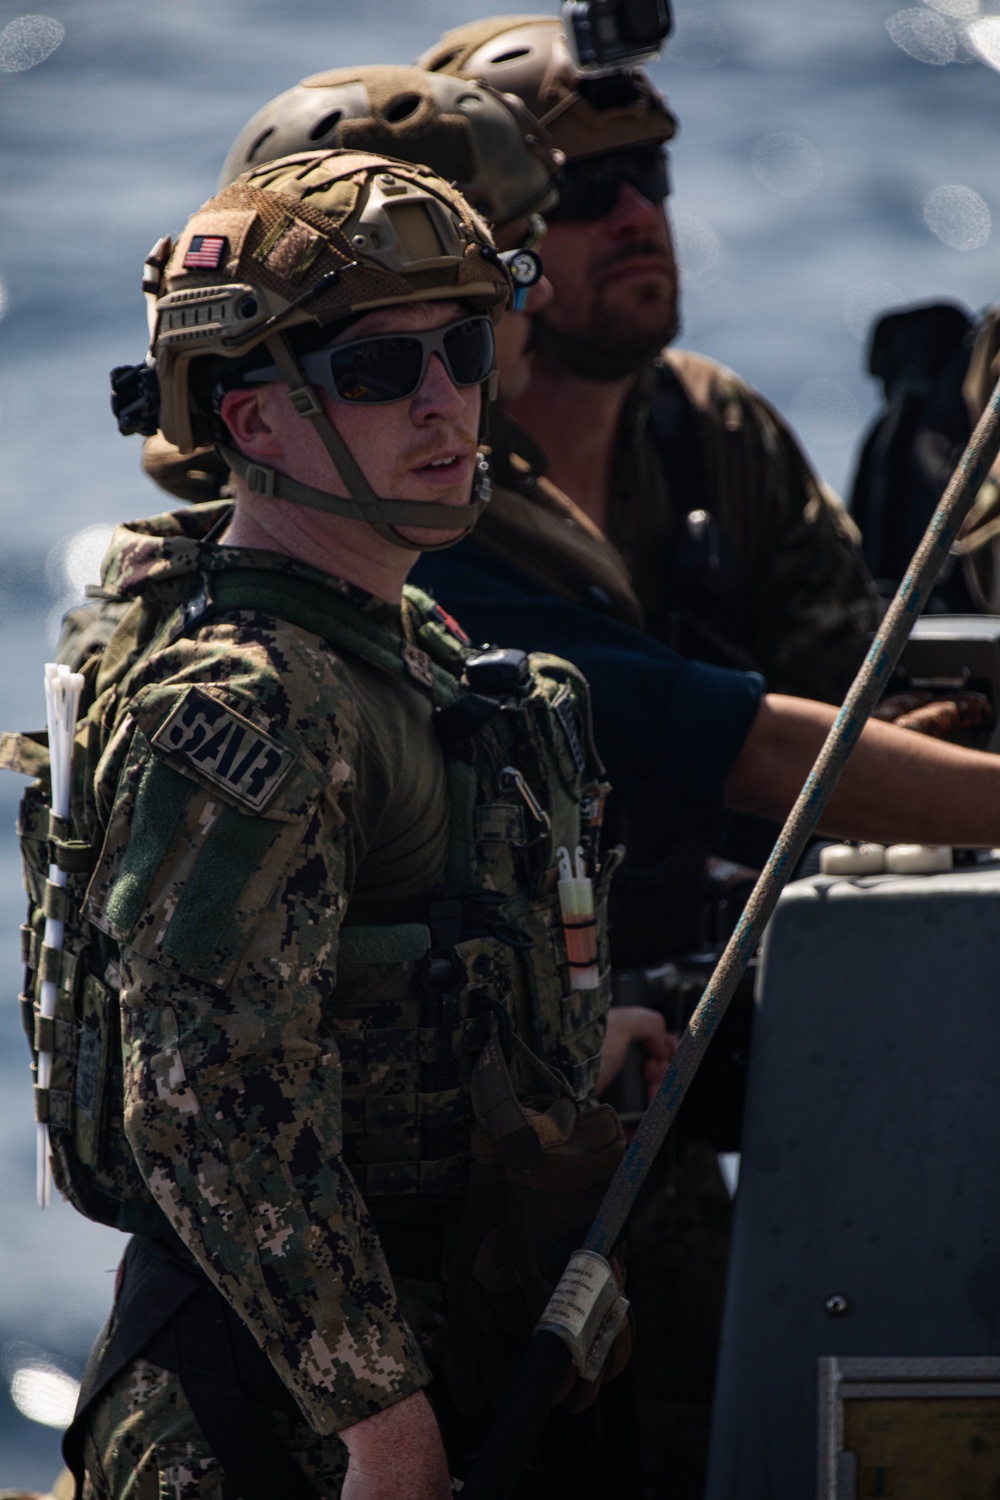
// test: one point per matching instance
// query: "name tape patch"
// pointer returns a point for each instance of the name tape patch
(226, 748)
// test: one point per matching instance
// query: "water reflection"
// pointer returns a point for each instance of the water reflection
(984, 39)
(865, 301)
(28, 41)
(40, 1389)
(962, 10)
(72, 563)
(699, 249)
(787, 164)
(925, 35)
(958, 216)
(699, 41)
(825, 411)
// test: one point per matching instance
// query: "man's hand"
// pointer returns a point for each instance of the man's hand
(397, 1455)
(635, 1023)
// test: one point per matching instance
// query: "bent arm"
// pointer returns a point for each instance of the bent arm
(396, 1454)
(897, 786)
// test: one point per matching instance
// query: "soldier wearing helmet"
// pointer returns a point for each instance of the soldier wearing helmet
(502, 162)
(737, 553)
(731, 551)
(325, 862)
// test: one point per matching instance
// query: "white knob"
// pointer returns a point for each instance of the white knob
(918, 859)
(852, 859)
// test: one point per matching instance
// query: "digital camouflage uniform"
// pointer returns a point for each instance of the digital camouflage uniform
(272, 809)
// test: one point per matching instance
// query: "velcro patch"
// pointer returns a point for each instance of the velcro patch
(563, 706)
(206, 252)
(224, 747)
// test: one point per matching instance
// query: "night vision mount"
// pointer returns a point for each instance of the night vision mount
(612, 35)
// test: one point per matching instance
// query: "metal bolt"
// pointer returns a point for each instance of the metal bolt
(386, 179)
(359, 241)
(837, 1305)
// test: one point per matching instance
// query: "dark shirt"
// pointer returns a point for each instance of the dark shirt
(668, 729)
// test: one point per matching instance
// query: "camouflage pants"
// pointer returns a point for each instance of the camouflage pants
(143, 1443)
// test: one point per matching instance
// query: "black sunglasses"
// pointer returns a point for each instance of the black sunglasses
(391, 366)
(589, 189)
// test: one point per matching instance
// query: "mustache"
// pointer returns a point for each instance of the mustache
(462, 439)
(618, 255)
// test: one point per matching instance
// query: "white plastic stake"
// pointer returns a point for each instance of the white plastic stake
(62, 700)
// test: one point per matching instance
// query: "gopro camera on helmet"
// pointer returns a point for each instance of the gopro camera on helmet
(606, 35)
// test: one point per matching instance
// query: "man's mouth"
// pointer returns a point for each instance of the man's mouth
(638, 260)
(444, 468)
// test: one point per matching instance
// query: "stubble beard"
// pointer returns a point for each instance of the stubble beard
(618, 337)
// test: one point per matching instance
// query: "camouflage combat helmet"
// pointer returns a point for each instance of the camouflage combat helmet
(303, 243)
(488, 146)
(527, 56)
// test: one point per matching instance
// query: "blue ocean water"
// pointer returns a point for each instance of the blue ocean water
(832, 161)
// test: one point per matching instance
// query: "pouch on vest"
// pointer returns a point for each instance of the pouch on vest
(540, 1166)
(91, 1163)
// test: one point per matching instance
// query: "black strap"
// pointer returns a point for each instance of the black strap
(168, 1312)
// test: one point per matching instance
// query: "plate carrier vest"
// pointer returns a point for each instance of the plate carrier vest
(415, 1003)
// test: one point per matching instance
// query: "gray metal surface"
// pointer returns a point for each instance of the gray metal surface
(871, 1159)
(956, 652)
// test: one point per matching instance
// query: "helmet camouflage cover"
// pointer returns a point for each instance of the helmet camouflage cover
(527, 56)
(488, 146)
(311, 239)
(308, 242)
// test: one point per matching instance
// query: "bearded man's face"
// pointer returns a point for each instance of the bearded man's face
(614, 279)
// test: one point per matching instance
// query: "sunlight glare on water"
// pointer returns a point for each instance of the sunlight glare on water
(984, 39)
(72, 563)
(787, 164)
(45, 1394)
(924, 35)
(75, 560)
(866, 301)
(962, 10)
(958, 216)
(27, 41)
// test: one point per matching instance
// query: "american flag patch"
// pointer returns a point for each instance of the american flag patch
(205, 252)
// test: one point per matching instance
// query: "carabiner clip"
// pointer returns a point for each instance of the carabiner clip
(510, 777)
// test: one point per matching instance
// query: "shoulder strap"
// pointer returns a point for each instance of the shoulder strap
(315, 608)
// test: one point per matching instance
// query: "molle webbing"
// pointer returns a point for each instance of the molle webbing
(324, 613)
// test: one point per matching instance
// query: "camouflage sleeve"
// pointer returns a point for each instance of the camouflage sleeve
(811, 598)
(225, 872)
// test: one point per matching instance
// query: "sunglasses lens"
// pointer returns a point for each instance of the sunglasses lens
(389, 367)
(373, 370)
(653, 180)
(589, 189)
(469, 350)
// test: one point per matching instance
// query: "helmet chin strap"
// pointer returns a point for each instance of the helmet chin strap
(362, 504)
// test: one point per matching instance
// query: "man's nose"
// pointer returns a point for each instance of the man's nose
(633, 211)
(438, 395)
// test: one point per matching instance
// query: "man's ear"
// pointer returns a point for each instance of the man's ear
(244, 413)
